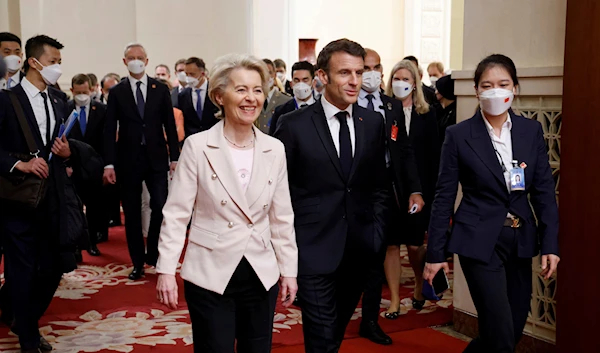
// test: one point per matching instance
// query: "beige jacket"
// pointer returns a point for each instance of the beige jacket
(226, 223)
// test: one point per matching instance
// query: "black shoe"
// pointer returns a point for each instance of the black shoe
(44, 345)
(78, 256)
(35, 350)
(101, 238)
(418, 304)
(372, 331)
(93, 250)
(137, 273)
(114, 223)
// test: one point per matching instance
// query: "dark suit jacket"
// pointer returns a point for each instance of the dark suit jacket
(175, 96)
(288, 88)
(94, 132)
(285, 108)
(331, 214)
(402, 156)
(191, 123)
(429, 94)
(158, 119)
(468, 157)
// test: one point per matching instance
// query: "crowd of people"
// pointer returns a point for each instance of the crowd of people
(304, 188)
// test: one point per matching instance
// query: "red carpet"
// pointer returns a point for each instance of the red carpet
(97, 309)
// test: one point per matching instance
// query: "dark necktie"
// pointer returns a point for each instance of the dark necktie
(82, 121)
(140, 99)
(199, 105)
(45, 96)
(370, 105)
(345, 144)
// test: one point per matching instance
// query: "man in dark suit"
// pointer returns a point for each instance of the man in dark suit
(402, 170)
(33, 258)
(303, 74)
(336, 162)
(181, 76)
(198, 111)
(142, 107)
(428, 92)
(90, 129)
(10, 51)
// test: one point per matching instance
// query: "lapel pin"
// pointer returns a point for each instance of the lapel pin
(55, 101)
(153, 85)
(523, 165)
(389, 106)
(360, 119)
(93, 108)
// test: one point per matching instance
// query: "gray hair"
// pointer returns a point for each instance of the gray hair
(219, 79)
(133, 45)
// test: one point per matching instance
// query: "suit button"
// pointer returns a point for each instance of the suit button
(250, 225)
(344, 216)
(144, 125)
(270, 181)
(223, 202)
(230, 225)
(214, 177)
(265, 206)
(349, 189)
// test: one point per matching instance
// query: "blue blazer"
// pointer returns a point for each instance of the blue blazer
(468, 157)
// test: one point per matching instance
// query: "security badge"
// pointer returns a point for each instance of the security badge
(517, 176)
(394, 134)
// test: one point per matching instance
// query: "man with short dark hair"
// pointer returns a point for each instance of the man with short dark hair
(162, 71)
(10, 50)
(335, 153)
(142, 107)
(198, 111)
(281, 69)
(33, 239)
(89, 128)
(179, 80)
(273, 99)
(95, 89)
(303, 74)
(107, 82)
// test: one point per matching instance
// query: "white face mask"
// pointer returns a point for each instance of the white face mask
(136, 67)
(271, 82)
(181, 77)
(401, 89)
(433, 80)
(496, 101)
(191, 81)
(50, 73)
(371, 81)
(81, 100)
(13, 63)
(302, 90)
(281, 76)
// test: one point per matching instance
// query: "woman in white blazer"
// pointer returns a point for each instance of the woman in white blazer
(232, 181)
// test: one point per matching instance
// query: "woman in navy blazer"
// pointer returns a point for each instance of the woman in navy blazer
(495, 232)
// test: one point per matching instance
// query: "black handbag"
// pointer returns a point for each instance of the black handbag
(20, 189)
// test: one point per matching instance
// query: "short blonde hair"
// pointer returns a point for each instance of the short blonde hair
(438, 65)
(421, 106)
(219, 77)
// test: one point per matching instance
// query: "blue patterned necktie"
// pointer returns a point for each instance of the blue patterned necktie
(199, 104)
(370, 104)
(140, 99)
(82, 121)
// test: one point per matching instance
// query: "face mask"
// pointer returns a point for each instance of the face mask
(95, 95)
(302, 90)
(271, 82)
(401, 89)
(319, 83)
(136, 67)
(51, 73)
(371, 81)
(281, 76)
(191, 81)
(181, 77)
(82, 100)
(433, 80)
(496, 101)
(13, 63)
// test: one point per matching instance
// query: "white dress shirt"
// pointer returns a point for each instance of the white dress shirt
(143, 87)
(377, 102)
(334, 124)
(203, 88)
(503, 145)
(299, 103)
(37, 104)
(407, 118)
(12, 81)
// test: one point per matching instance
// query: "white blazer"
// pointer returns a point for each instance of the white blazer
(226, 223)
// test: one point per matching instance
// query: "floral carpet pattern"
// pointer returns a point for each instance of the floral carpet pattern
(97, 309)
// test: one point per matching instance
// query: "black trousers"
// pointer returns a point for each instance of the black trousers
(371, 300)
(501, 292)
(112, 202)
(131, 178)
(94, 211)
(244, 313)
(329, 301)
(33, 272)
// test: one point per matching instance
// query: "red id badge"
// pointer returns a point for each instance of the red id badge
(394, 132)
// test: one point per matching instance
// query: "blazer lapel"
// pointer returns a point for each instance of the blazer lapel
(261, 168)
(220, 160)
(58, 115)
(521, 143)
(320, 122)
(151, 96)
(26, 105)
(359, 136)
(482, 146)
(92, 121)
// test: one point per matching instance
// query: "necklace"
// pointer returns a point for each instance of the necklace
(236, 145)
